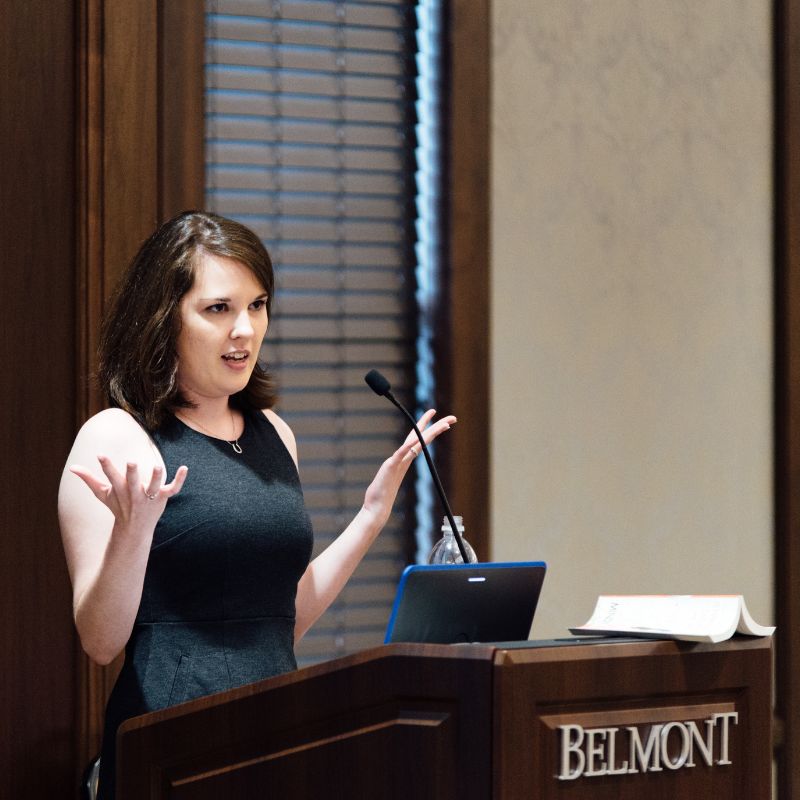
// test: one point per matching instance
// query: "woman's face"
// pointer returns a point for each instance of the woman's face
(223, 321)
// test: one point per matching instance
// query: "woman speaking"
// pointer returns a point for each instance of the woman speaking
(181, 510)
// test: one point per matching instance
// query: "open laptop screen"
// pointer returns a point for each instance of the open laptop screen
(448, 603)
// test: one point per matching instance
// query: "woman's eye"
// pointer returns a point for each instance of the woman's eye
(217, 308)
(256, 305)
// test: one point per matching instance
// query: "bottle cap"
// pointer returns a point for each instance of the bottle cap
(458, 520)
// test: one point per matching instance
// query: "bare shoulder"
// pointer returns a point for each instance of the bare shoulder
(116, 434)
(85, 522)
(113, 422)
(284, 431)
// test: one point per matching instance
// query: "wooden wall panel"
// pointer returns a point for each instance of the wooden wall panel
(463, 338)
(130, 129)
(38, 390)
(117, 134)
(787, 392)
(87, 152)
(181, 115)
(140, 154)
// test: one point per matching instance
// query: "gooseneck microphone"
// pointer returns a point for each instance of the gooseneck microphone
(381, 387)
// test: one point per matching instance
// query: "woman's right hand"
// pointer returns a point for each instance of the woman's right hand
(129, 499)
(107, 537)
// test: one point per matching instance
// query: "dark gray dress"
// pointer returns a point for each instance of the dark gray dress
(218, 603)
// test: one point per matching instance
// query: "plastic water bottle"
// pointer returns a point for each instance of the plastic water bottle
(446, 551)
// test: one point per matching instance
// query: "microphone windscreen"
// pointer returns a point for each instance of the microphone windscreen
(377, 383)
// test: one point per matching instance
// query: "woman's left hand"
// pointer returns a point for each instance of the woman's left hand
(382, 492)
(329, 571)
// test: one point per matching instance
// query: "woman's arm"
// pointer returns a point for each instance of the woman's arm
(330, 570)
(107, 521)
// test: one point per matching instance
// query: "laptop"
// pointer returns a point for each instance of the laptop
(450, 603)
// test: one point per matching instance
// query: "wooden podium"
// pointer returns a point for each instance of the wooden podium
(644, 719)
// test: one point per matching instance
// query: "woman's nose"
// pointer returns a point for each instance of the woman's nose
(242, 326)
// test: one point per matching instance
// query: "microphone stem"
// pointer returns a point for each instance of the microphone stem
(436, 481)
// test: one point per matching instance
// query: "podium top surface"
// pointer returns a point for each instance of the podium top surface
(556, 646)
(492, 655)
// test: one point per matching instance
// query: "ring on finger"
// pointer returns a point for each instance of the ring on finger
(414, 451)
(151, 496)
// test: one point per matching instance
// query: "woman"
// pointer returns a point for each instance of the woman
(181, 512)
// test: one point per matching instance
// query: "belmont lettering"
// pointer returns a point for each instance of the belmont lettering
(592, 752)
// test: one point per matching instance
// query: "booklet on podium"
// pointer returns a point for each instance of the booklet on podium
(692, 618)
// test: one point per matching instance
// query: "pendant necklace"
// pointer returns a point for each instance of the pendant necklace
(234, 443)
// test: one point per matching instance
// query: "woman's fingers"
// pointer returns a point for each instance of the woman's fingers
(423, 421)
(157, 486)
(411, 447)
(154, 487)
(131, 478)
(171, 489)
(422, 424)
(129, 483)
(97, 487)
(439, 427)
(115, 477)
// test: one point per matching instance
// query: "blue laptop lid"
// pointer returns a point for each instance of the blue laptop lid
(448, 603)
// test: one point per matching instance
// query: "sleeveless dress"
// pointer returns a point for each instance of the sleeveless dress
(218, 602)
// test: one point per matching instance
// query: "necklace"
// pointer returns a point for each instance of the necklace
(234, 443)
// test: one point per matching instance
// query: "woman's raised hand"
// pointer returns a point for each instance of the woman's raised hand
(382, 492)
(329, 571)
(126, 496)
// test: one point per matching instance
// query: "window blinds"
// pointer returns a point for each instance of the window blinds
(310, 142)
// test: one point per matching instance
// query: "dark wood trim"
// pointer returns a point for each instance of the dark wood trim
(130, 128)
(89, 282)
(140, 159)
(787, 389)
(89, 293)
(465, 336)
(181, 107)
(117, 57)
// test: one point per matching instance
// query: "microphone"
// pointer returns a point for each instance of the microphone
(382, 387)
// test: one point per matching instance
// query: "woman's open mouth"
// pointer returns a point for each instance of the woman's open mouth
(238, 359)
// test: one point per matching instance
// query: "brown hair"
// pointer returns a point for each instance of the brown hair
(138, 354)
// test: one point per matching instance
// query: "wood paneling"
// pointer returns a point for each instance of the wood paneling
(787, 390)
(140, 158)
(130, 128)
(463, 338)
(90, 283)
(636, 684)
(404, 721)
(117, 134)
(181, 103)
(38, 390)
(87, 173)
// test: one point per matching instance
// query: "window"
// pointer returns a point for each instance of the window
(313, 141)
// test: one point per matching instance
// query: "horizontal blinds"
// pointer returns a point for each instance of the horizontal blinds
(310, 142)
